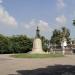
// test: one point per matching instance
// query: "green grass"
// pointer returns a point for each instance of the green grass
(37, 55)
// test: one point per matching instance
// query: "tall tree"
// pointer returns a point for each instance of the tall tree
(55, 38)
(59, 34)
(21, 44)
(4, 44)
(74, 22)
(65, 33)
(45, 43)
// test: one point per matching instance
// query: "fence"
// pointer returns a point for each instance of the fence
(69, 49)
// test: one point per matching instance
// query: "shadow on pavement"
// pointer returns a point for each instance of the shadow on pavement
(50, 70)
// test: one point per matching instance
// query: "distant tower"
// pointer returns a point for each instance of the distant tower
(37, 43)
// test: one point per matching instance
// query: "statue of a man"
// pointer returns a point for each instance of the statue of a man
(37, 32)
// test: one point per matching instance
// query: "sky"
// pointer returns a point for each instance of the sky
(21, 17)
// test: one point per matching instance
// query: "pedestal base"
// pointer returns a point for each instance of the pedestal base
(37, 51)
(37, 46)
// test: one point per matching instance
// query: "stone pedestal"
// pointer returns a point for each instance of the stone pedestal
(37, 46)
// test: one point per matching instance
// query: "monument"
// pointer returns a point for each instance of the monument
(37, 43)
(63, 45)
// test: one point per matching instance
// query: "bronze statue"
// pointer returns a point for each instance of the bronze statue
(37, 33)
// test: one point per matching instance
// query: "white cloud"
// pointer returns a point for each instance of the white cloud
(1, 1)
(73, 14)
(29, 25)
(43, 26)
(60, 4)
(6, 18)
(61, 20)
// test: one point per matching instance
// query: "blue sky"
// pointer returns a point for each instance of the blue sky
(23, 16)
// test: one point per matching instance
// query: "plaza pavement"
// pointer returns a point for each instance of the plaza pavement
(23, 66)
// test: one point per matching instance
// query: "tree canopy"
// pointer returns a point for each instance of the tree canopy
(15, 44)
(58, 35)
(74, 22)
(23, 44)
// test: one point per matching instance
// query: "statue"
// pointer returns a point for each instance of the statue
(37, 33)
(37, 43)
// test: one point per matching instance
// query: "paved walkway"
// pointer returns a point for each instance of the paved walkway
(13, 66)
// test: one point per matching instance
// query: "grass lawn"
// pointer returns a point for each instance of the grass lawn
(37, 55)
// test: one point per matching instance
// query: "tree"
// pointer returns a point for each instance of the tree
(21, 44)
(74, 22)
(45, 43)
(59, 34)
(4, 44)
(66, 33)
(56, 37)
